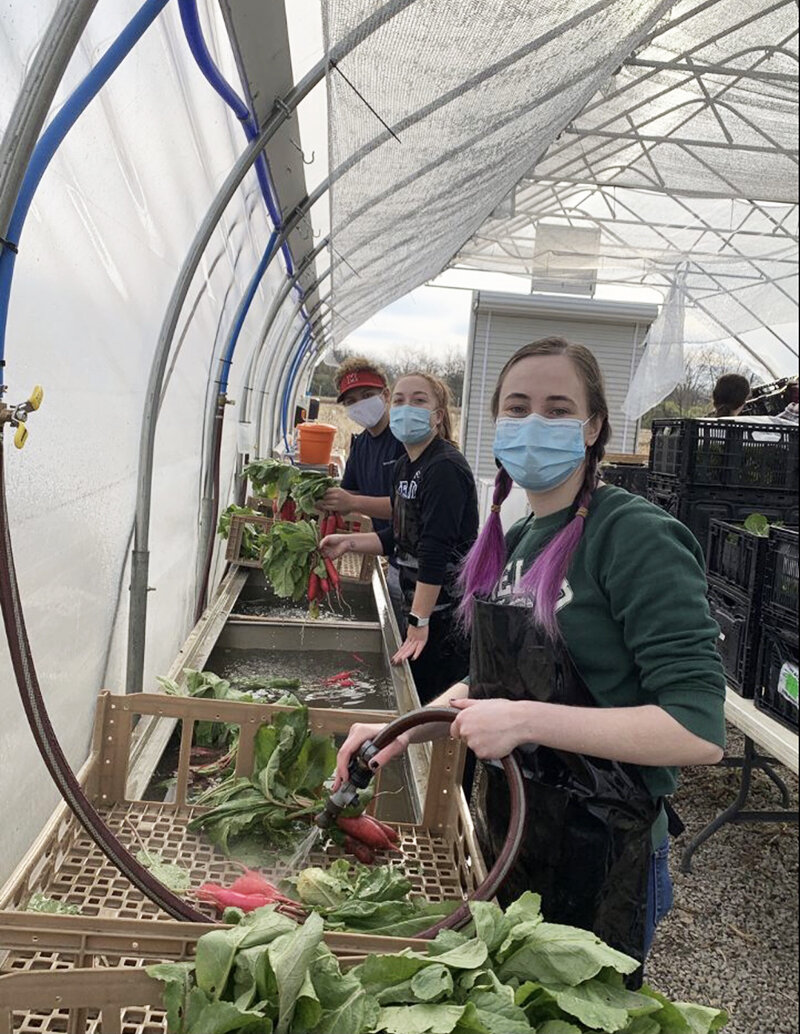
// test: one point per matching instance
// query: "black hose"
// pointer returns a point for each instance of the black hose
(516, 826)
(47, 742)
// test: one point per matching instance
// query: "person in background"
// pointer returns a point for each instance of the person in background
(599, 670)
(366, 486)
(730, 394)
(434, 524)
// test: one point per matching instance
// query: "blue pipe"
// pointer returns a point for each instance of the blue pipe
(52, 137)
(205, 62)
(294, 369)
(242, 311)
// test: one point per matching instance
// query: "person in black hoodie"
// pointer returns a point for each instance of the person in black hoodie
(434, 524)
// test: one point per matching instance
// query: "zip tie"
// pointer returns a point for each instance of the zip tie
(9, 244)
(364, 99)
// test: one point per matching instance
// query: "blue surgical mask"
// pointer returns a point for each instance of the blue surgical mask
(410, 424)
(539, 453)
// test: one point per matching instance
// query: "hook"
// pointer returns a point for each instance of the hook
(295, 144)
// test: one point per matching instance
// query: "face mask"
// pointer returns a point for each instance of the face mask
(367, 412)
(539, 453)
(410, 424)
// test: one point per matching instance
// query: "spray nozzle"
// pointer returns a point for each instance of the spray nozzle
(359, 775)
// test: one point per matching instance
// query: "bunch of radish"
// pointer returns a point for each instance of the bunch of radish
(248, 892)
(365, 836)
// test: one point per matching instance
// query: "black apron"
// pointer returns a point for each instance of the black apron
(588, 843)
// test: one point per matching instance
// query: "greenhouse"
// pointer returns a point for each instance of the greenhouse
(362, 708)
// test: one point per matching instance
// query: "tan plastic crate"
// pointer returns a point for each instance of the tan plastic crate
(351, 567)
(120, 927)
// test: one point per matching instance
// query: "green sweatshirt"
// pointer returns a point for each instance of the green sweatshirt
(634, 615)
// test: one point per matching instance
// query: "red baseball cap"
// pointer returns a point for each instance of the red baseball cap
(359, 379)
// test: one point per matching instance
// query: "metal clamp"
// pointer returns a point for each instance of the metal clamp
(17, 415)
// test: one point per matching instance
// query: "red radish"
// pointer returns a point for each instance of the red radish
(359, 850)
(333, 574)
(252, 882)
(368, 832)
(390, 831)
(338, 524)
(313, 587)
(224, 897)
(325, 585)
(333, 679)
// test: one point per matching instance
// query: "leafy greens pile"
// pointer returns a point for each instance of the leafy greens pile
(208, 685)
(290, 768)
(280, 482)
(290, 556)
(509, 973)
(366, 899)
(252, 540)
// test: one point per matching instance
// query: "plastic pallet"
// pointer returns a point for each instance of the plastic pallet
(697, 507)
(736, 557)
(779, 647)
(781, 570)
(726, 454)
(737, 645)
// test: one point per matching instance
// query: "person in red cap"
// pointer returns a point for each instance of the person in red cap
(367, 483)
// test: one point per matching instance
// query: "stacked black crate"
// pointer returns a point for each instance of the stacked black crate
(735, 561)
(630, 476)
(700, 470)
(777, 681)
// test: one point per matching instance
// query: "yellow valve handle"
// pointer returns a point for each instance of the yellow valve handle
(20, 435)
(36, 397)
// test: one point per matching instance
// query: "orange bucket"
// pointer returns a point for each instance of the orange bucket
(315, 442)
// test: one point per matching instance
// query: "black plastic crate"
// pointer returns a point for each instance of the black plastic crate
(696, 508)
(781, 576)
(728, 454)
(737, 645)
(736, 557)
(776, 691)
(630, 476)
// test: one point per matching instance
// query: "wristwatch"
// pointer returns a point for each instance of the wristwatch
(418, 622)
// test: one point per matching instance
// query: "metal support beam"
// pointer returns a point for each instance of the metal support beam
(742, 73)
(36, 97)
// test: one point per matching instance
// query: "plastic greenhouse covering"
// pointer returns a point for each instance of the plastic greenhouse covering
(637, 143)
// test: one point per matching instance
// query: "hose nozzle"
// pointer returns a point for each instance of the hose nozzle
(359, 775)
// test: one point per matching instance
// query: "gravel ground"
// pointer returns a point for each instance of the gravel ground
(732, 938)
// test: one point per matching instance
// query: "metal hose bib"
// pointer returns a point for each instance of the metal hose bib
(360, 774)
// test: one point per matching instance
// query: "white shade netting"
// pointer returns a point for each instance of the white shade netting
(474, 93)
(668, 131)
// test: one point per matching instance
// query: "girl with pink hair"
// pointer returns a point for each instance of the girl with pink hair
(593, 656)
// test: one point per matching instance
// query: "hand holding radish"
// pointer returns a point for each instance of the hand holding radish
(333, 546)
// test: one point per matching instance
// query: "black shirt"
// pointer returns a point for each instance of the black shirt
(435, 519)
(370, 467)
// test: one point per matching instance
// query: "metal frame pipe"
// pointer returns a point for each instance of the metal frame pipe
(275, 388)
(272, 313)
(270, 381)
(35, 98)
